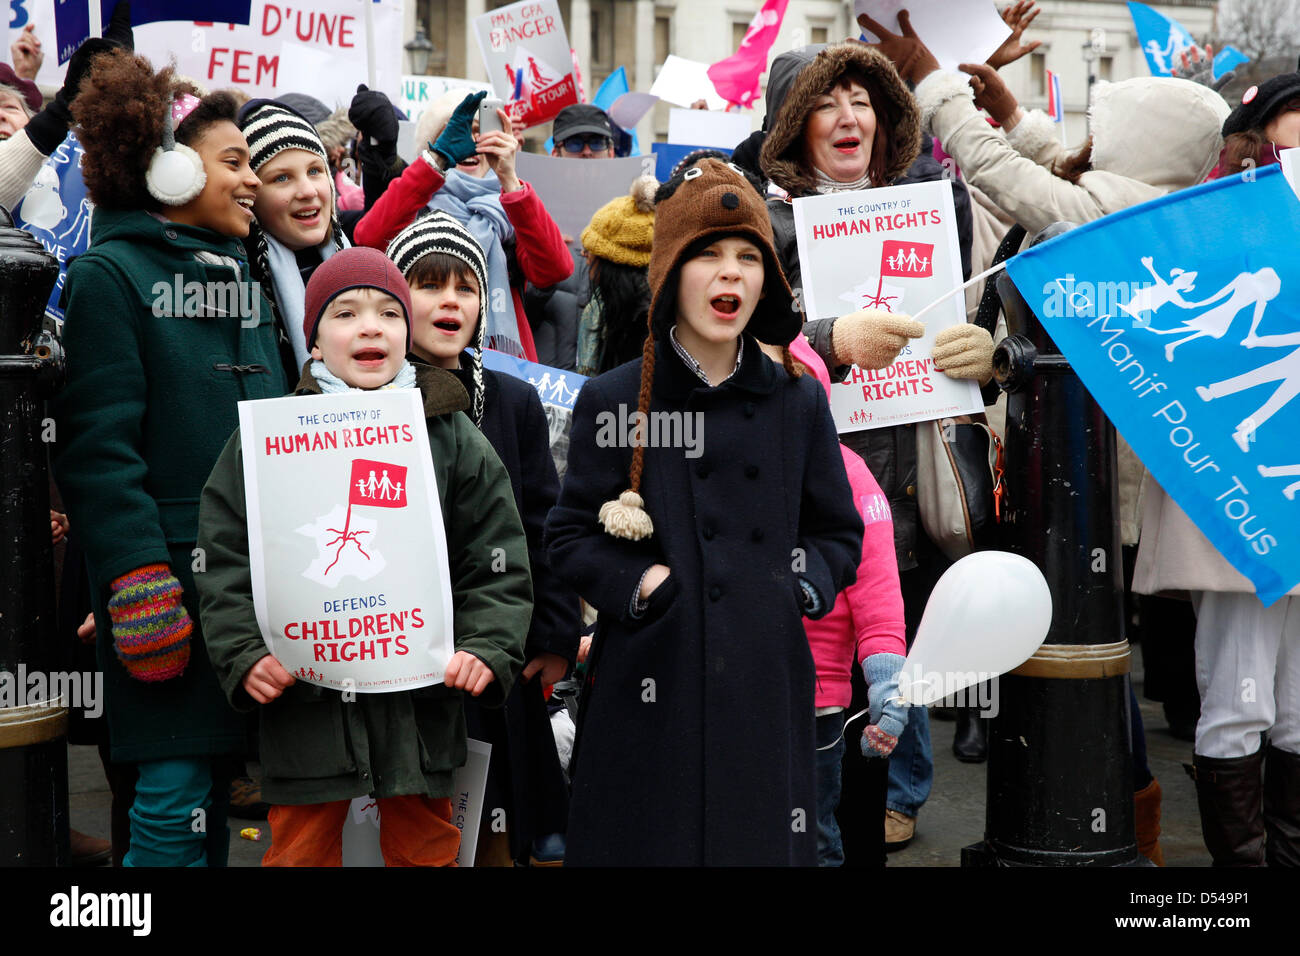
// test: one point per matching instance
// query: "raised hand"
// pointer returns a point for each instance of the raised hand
(25, 53)
(991, 93)
(1017, 16)
(910, 56)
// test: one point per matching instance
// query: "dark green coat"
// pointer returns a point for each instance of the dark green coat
(315, 747)
(149, 402)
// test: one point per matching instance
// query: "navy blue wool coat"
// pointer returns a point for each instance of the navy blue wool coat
(525, 777)
(696, 735)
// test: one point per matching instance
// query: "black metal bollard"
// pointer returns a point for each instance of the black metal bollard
(33, 750)
(1060, 772)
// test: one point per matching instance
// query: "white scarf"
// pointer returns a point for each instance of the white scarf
(290, 293)
(331, 384)
(827, 185)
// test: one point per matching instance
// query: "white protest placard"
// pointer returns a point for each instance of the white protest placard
(955, 31)
(573, 189)
(526, 53)
(682, 81)
(346, 545)
(468, 789)
(708, 128)
(319, 49)
(419, 91)
(1290, 159)
(893, 248)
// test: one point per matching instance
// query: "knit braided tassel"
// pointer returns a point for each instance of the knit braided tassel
(151, 629)
(627, 517)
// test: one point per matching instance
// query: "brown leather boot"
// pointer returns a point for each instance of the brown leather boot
(87, 850)
(1146, 803)
(1229, 792)
(1282, 807)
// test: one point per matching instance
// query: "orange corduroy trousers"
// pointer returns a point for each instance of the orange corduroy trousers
(413, 831)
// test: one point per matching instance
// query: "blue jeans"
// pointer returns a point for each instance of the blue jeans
(167, 828)
(911, 766)
(830, 848)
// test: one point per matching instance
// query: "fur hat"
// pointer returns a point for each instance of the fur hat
(623, 229)
(439, 232)
(710, 200)
(356, 268)
(796, 80)
(713, 198)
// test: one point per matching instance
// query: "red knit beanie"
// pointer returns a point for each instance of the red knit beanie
(356, 268)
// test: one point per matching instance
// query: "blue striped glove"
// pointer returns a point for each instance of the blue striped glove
(887, 715)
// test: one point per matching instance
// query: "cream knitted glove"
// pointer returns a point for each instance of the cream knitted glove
(964, 351)
(872, 338)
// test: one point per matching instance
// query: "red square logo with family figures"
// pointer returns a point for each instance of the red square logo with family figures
(907, 260)
(377, 484)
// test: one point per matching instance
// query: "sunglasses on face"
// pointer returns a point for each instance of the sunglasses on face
(596, 141)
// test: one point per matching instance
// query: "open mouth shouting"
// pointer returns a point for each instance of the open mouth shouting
(448, 325)
(725, 306)
(847, 144)
(370, 357)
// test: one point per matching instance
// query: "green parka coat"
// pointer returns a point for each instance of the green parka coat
(317, 747)
(164, 336)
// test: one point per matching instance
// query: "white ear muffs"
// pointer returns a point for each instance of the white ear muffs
(175, 174)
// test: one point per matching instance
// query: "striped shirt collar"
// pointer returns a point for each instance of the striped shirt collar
(694, 366)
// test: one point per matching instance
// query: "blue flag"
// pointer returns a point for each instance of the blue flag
(615, 85)
(72, 17)
(1182, 318)
(1160, 38)
(1227, 59)
(56, 210)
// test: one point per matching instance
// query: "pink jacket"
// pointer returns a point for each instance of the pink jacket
(868, 617)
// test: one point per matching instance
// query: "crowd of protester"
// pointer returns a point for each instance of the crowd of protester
(710, 678)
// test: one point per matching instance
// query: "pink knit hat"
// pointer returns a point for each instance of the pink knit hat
(356, 268)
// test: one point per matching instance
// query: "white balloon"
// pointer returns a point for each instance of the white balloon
(987, 615)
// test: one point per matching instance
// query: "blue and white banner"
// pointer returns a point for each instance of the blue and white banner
(72, 17)
(558, 391)
(1160, 38)
(56, 210)
(1182, 318)
(1229, 58)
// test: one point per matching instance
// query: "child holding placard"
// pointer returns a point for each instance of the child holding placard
(447, 273)
(696, 744)
(321, 748)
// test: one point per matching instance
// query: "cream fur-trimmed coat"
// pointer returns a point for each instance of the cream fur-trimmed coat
(1151, 136)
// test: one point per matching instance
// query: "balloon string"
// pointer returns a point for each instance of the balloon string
(888, 700)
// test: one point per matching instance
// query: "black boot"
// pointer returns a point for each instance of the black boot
(971, 742)
(1282, 807)
(1229, 792)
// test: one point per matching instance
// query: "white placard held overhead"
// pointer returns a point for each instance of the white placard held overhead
(682, 82)
(955, 31)
(708, 128)
(528, 60)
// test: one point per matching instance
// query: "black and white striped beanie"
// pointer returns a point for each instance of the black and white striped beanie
(272, 127)
(439, 232)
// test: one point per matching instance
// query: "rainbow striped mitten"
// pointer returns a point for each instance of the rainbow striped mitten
(151, 628)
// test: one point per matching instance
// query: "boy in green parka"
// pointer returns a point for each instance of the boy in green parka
(320, 750)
